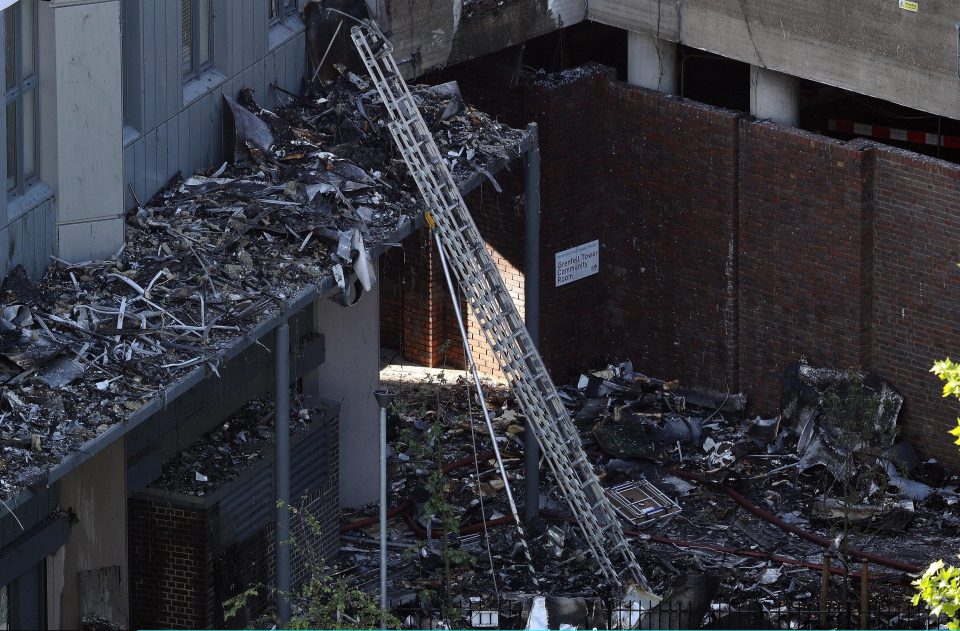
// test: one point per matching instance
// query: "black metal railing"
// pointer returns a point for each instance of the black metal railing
(596, 613)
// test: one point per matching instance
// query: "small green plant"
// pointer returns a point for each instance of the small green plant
(939, 587)
(438, 507)
(949, 373)
(326, 600)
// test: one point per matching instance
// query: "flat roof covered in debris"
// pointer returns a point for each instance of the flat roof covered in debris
(211, 264)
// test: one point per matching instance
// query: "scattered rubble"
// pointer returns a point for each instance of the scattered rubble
(229, 449)
(681, 451)
(312, 189)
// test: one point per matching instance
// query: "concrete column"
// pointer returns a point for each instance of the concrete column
(81, 123)
(349, 374)
(651, 62)
(94, 561)
(774, 96)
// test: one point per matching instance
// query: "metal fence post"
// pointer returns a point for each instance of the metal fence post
(864, 597)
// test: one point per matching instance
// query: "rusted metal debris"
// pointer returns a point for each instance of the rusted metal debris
(212, 255)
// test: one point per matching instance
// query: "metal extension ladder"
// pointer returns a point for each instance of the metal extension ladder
(497, 315)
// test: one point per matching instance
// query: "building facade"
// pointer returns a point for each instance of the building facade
(106, 101)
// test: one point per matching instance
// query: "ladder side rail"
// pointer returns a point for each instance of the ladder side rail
(503, 328)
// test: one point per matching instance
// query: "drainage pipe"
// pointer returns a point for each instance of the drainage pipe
(531, 296)
(385, 399)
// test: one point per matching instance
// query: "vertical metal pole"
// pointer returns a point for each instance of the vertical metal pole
(531, 291)
(384, 399)
(383, 513)
(282, 428)
(824, 590)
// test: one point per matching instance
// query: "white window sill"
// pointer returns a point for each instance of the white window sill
(283, 31)
(200, 85)
(37, 194)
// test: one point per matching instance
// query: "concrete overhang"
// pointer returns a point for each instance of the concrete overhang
(871, 47)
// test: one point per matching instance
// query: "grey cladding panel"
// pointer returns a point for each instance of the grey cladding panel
(248, 503)
(140, 175)
(150, 162)
(27, 600)
(28, 240)
(128, 171)
(148, 18)
(173, 91)
(132, 64)
(4, 250)
(184, 146)
(309, 463)
(163, 137)
(258, 36)
(246, 508)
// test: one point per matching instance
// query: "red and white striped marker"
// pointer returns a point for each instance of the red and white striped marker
(891, 133)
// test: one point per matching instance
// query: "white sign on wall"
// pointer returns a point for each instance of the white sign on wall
(578, 262)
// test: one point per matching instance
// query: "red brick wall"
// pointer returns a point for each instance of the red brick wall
(801, 205)
(669, 241)
(572, 205)
(391, 276)
(569, 208)
(180, 575)
(414, 300)
(500, 219)
(569, 194)
(916, 297)
(732, 247)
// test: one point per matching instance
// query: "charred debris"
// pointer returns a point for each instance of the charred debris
(729, 513)
(314, 190)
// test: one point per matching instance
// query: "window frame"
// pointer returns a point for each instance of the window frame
(281, 10)
(20, 87)
(196, 69)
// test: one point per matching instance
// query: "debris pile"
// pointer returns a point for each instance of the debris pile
(713, 493)
(222, 454)
(312, 189)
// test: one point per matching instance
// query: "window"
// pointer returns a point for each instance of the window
(280, 9)
(20, 36)
(196, 44)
